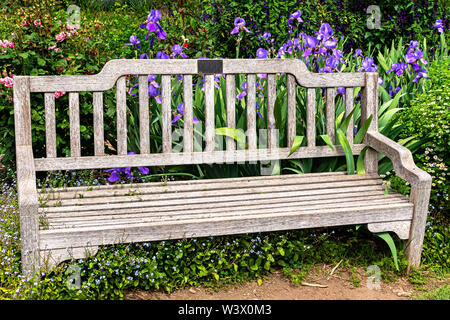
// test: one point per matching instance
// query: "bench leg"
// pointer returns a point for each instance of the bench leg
(29, 235)
(420, 196)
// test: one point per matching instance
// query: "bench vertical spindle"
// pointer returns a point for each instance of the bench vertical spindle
(99, 135)
(50, 125)
(74, 118)
(271, 125)
(231, 109)
(310, 117)
(121, 110)
(348, 109)
(330, 115)
(166, 114)
(144, 125)
(188, 117)
(209, 113)
(251, 111)
(291, 116)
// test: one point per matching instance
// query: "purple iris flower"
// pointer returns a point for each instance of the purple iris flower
(144, 56)
(152, 25)
(439, 25)
(181, 114)
(162, 55)
(261, 53)
(178, 50)
(311, 42)
(266, 36)
(295, 16)
(325, 32)
(413, 44)
(367, 65)
(358, 53)
(243, 93)
(116, 173)
(239, 24)
(341, 91)
(134, 41)
(330, 43)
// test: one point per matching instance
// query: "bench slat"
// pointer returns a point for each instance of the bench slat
(192, 185)
(279, 220)
(202, 195)
(159, 159)
(74, 119)
(121, 110)
(231, 109)
(272, 141)
(311, 117)
(99, 135)
(291, 112)
(50, 125)
(348, 109)
(209, 113)
(330, 114)
(144, 125)
(166, 114)
(251, 112)
(188, 129)
(279, 200)
(154, 215)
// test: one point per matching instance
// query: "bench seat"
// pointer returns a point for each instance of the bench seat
(100, 215)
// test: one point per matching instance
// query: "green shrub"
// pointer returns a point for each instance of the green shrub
(428, 119)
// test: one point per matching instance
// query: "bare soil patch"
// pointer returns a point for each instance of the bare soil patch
(343, 284)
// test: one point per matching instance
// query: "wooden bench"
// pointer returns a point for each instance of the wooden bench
(80, 219)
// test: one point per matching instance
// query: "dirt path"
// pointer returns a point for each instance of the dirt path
(340, 286)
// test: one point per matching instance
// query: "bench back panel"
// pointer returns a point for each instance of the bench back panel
(114, 75)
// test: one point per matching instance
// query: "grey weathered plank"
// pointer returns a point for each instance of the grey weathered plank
(281, 220)
(50, 125)
(348, 110)
(200, 213)
(144, 119)
(291, 103)
(251, 112)
(186, 158)
(206, 195)
(369, 106)
(74, 118)
(166, 114)
(121, 113)
(330, 115)
(26, 178)
(188, 129)
(231, 109)
(272, 141)
(200, 185)
(209, 113)
(155, 187)
(113, 69)
(311, 117)
(99, 134)
(420, 181)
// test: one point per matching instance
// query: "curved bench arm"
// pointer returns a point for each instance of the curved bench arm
(401, 158)
(420, 181)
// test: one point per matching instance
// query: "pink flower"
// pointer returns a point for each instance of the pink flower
(60, 68)
(60, 37)
(59, 94)
(7, 81)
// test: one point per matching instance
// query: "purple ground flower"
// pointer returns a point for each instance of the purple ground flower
(261, 53)
(358, 53)
(295, 17)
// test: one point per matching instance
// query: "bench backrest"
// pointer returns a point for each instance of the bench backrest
(114, 72)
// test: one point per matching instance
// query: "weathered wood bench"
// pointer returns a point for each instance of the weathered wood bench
(80, 219)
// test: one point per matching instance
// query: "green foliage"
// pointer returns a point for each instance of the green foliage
(428, 120)
(442, 293)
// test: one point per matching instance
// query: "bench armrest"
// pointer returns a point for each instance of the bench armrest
(401, 158)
